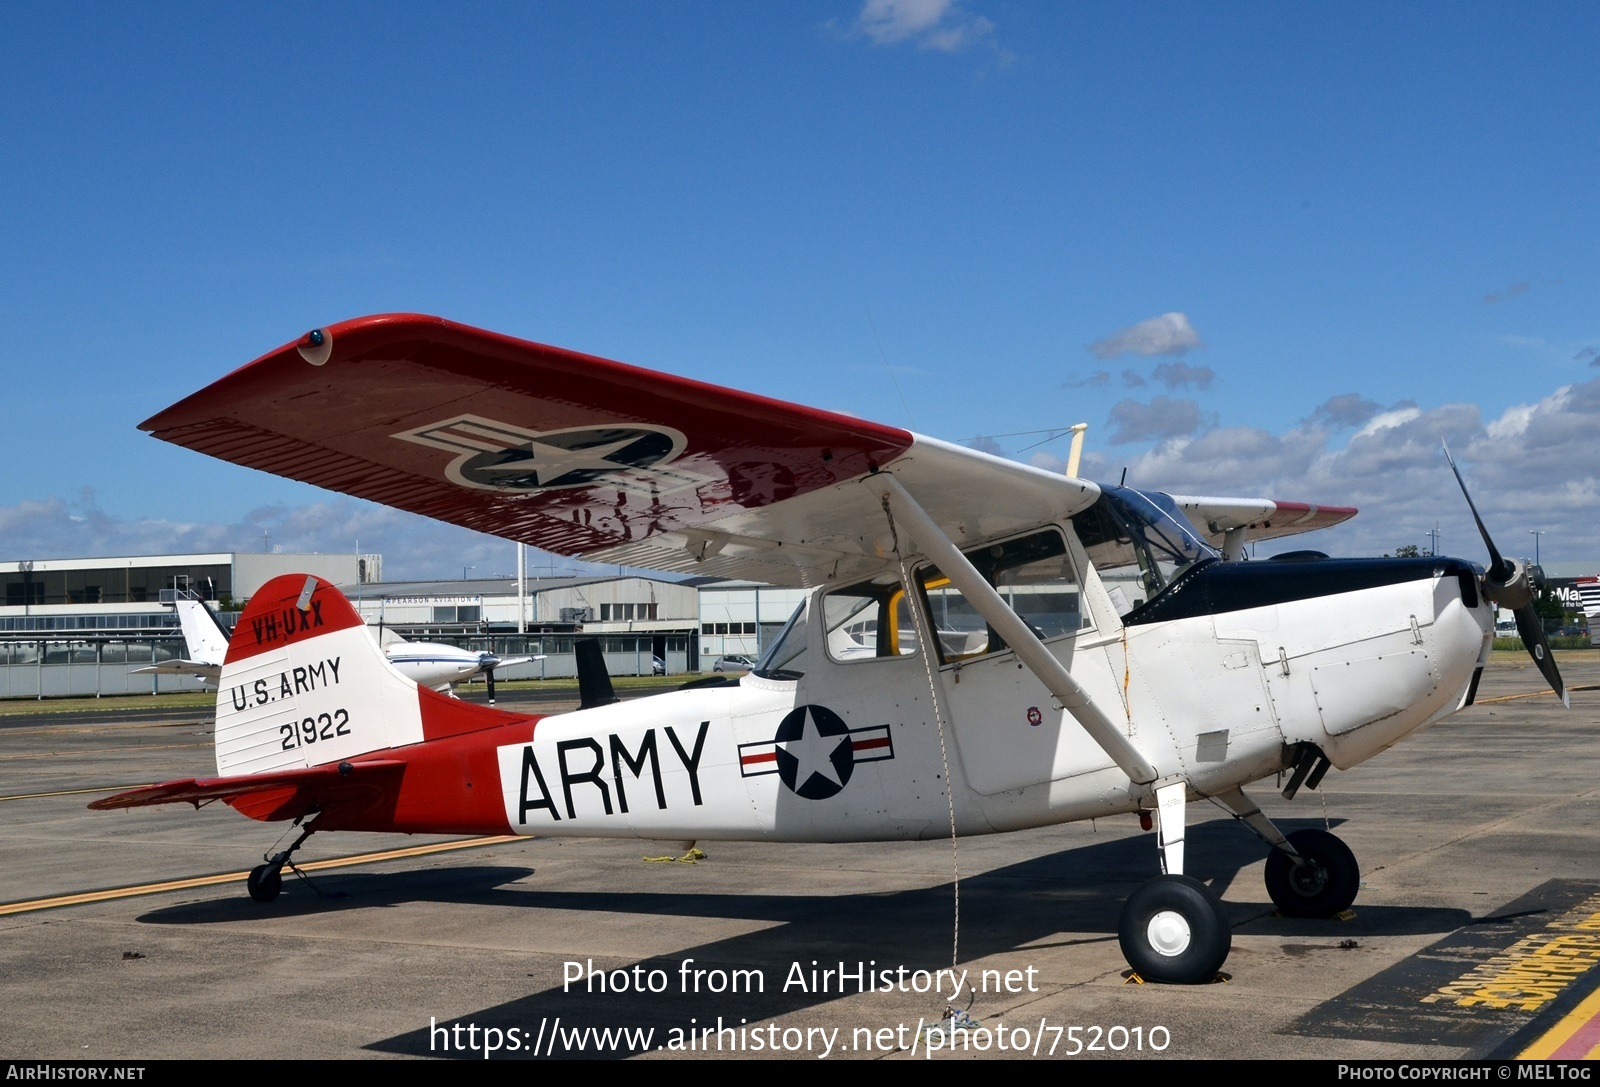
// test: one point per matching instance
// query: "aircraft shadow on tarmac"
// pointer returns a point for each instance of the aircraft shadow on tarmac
(1005, 910)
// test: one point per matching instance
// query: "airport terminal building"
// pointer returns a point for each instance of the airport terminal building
(40, 593)
(78, 626)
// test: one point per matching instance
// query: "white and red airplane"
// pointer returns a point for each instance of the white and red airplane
(430, 664)
(986, 646)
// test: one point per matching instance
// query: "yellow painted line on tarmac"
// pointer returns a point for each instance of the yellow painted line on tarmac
(233, 877)
(1532, 694)
(74, 792)
(100, 750)
(1575, 1038)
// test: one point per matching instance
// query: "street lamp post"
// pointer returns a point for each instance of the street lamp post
(1537, 532)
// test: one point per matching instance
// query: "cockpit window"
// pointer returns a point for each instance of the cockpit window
(1138, 547)
(868, 622)
(1034, 575)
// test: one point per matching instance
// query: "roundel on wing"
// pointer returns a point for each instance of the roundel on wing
(496, 456)
(572, 458)
(814, 752)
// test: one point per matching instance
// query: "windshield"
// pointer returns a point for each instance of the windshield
(1138, 546)
(785, 658)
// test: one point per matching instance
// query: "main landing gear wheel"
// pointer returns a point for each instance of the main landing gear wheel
(1323, 886)
(1172, 930)
(265, 882)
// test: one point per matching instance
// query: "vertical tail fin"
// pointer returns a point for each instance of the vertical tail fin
(303, 684)
(594, 682)
(203, 636)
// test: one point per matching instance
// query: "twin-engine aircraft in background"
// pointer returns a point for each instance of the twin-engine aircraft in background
(986, 646)
(429, 664)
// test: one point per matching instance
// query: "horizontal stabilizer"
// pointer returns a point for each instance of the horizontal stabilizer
(199, 669)
(292, 792)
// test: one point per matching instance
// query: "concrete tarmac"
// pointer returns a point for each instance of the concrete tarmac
(1479, 842)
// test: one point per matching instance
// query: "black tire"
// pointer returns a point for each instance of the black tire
(264, 883)
(1324, 886)
(1173, 931)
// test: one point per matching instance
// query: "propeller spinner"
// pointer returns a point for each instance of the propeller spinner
(1510, 583)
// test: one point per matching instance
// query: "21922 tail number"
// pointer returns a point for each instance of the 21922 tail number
(310, 730)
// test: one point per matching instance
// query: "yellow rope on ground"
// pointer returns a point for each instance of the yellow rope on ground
(690, 857)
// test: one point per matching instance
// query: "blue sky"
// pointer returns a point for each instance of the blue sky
(1269, 248)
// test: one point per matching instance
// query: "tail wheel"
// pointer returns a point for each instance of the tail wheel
(1172, 930)
(1323, 885)
(264, 883)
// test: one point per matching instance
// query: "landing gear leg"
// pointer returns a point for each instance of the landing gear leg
(1310, 873)
(266, 880)
(1172, 928)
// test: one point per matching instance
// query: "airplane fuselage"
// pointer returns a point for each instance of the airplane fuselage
(433, 664)
(851, 751)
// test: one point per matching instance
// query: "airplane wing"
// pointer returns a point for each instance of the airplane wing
(281, 794)
(1261, 518)
(203, 670)
(592, 458)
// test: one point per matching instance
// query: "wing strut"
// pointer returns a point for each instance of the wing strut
(1029, 649)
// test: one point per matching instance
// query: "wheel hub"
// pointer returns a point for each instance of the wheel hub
(1169, 933)
(1308, 878)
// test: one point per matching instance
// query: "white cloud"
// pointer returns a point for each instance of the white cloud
(1168, 334)
(939, 25)
(1536, 466)
(1515, 419)
(1388, 420)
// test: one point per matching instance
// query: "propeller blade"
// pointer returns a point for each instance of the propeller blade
(488, 676)
(1532, 631)
(1499, 568)
(1511, 584)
